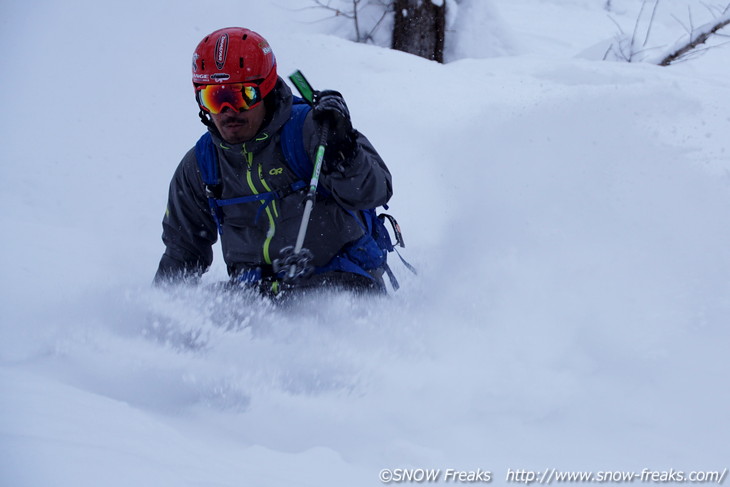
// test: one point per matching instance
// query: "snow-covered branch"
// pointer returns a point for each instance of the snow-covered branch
(697, 37)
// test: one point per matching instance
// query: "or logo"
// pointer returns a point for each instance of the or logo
(221, 51)
(220, 77)
(195, 62)
(276, 171)
(265, 47)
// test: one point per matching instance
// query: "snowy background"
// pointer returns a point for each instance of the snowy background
(570, 218)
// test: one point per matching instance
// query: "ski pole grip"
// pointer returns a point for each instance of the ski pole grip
(302, 86)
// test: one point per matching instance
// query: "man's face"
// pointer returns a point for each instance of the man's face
(238, 127)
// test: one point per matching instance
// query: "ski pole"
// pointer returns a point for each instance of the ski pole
(314, 182)
(294, 261)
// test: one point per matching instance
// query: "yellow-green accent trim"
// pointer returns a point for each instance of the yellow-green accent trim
(272, 221)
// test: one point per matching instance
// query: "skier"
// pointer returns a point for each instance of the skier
(245, 105)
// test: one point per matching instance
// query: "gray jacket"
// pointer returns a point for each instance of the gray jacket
(258, 166)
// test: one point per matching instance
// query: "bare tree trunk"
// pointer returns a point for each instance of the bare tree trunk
(420, 28)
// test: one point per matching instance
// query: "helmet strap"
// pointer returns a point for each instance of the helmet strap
(205, 118)
(208, 122)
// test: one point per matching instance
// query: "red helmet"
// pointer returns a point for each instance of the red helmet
(235, 55)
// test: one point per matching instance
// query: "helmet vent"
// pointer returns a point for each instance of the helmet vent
(245, 36)
(202, 64)
(240, 62)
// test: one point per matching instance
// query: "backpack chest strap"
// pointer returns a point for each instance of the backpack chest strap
(265, 199)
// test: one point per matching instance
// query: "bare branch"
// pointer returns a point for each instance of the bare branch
(336, 10)
(686, 29)
(386, 11)
(356, 18)
(605, 54)
(354, 13)
(696, 39)
(618, 26)
(710, 8)
(636, 25)
(651, 22)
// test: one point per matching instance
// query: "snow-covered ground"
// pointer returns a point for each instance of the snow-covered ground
(570, 218)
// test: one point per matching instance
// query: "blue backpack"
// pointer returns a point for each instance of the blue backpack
(368, 253)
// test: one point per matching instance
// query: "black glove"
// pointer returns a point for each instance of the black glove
(172, 271)
(341, 145)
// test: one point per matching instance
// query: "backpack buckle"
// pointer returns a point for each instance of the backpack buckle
(396, 229)
(212, 191)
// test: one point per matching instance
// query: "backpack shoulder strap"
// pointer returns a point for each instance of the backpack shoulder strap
(292, 143)
(207, 158)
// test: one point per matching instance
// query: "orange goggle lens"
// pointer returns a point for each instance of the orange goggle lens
(238, 96)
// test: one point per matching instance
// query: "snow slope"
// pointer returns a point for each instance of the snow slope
(568, 217)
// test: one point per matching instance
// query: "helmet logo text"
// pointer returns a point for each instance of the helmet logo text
(221, 51)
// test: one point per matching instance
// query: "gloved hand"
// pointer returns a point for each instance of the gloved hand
(172, 271)
(330, 105)
(293, 268)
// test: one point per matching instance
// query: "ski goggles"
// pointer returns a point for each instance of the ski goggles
(238, 96)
